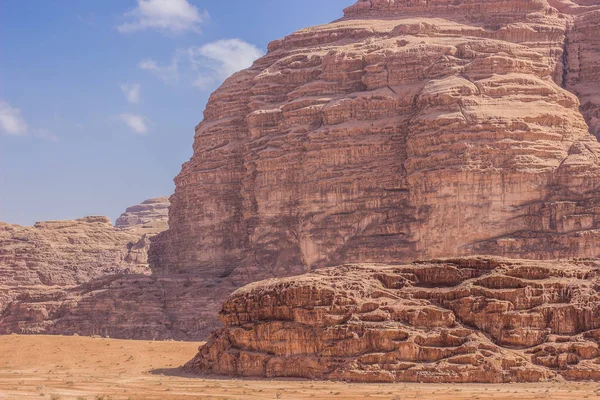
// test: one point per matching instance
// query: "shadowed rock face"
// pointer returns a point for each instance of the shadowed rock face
(583, 58)
(459, 320)
(408, 129)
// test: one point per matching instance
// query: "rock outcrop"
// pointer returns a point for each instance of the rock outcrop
(61, 253)
(454, 320)
(129, 306)
(151, 213)
(84, 276)
(408, 129)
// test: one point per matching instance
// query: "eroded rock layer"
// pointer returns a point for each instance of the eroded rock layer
(60, 253)
(375, 139)
(124, 306)
(407, 129)
(84, 276)
(149, 213)
(453, 320)
(583, 58)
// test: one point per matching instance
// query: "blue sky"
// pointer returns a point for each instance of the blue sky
(99, 98)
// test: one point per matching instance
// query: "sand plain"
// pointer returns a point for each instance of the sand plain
(61, 368)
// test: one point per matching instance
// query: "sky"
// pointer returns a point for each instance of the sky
(99, 98)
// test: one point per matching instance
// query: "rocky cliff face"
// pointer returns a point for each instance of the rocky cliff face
(583, 59)
(459, 320)
(406, 130)
(150, 213)
(60, 253)
(123, 306)
(76, 276)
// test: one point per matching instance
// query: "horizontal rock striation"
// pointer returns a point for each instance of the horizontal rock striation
(583, 58)
(60, 253)
(148, 214)
(407, 129)
(124, 306)
(87, 277)
(450, 320)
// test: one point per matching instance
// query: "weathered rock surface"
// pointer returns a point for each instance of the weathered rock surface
(454, 320)
(408, 129)
(129, 306)
(150, 213)
(60, 253)
(84, 276)
(583, 58)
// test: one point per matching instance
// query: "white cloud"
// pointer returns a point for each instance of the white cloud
(166, 16)
(224, 57)
(11, 121)
(132, 92)
(204, 82)
(137, 123)
(166, 73)
(149, 64)
(207, 66)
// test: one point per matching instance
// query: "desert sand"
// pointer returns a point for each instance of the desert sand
(59, 367)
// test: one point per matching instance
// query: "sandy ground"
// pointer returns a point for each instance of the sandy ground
(55, 367)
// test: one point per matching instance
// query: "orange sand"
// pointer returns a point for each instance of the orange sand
(60, 368)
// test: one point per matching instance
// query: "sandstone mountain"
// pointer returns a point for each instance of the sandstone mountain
(408, 129)
(54, 269)
(150, 213)
(456, 320)
(59, 253)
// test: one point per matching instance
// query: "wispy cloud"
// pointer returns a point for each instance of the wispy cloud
(165, 72)
(131, 92)
(11, 121)
(206, 66)
(166, 16)
(137, 123)
(221, 59)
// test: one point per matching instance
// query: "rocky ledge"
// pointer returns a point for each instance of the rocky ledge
(452, 320)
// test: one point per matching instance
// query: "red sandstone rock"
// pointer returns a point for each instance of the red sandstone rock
(455, 320)
(407, 129)
(583, 58)
(60, 253)
(83, 276)
(151, 212)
